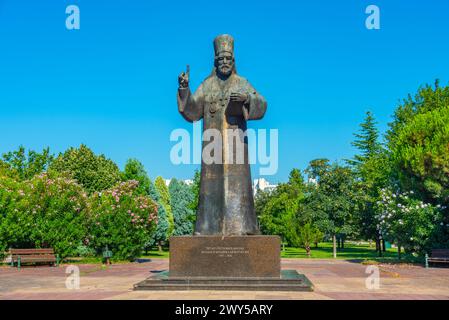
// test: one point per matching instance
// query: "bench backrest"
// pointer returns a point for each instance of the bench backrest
(440, 253)
(31, 251)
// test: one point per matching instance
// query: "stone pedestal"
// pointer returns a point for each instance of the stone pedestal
(226, 263)
(236, 256)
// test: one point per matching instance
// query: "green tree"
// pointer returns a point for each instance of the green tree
(367, 141)
(181, 196)
(307, 235)
(317, 168)
(24, 165)
(196, 193)
(278, 213)
(94, 173)
(418, 140)
(372, 168)
(164, 198)
(329, 203)
(134, 170)
(260, 201)
(162, 234)
(312, 208)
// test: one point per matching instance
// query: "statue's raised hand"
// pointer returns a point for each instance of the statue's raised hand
(183, 78)
(239, 97)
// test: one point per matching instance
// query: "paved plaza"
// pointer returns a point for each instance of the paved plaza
(333, 279)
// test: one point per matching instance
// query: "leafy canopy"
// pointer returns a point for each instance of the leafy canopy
(93, 172)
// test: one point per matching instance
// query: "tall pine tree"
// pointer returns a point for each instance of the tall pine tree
(367, 141)
(372, 168)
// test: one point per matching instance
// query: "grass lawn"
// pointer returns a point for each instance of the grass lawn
(99, 260)
(156, 254)
(352, 251)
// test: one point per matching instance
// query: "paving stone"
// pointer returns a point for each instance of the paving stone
(333, 279)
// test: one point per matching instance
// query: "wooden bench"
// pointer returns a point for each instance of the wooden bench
(33, 256)
(438, 256)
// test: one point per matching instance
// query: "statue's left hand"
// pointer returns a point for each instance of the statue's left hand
(239, 97)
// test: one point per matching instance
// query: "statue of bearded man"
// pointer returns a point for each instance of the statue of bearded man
(225, 101)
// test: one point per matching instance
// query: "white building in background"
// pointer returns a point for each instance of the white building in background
(187, 182)
(262, 185)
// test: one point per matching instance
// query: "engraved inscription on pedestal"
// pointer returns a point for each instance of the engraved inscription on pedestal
(227, 252)
(233, 257)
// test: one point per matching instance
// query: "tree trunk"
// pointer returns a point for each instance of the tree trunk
(379, 247)
(308, 251)
(159, 246)
(399, 251)
(334, 249)
(342, 243)
(316, 244)
(383, 245)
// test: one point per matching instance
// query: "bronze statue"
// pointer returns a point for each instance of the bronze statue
(225, 101)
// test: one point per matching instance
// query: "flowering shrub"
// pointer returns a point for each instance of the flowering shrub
(42, 212)
(11, 230)
(407, 221)
(122, 220)
(56, 212)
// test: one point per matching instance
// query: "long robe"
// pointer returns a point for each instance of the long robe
(226, 204)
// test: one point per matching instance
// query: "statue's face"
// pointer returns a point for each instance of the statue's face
(225, 63)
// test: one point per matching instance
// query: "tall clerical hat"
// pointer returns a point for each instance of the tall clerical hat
(224, 43)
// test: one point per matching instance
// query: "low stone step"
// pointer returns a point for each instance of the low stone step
(290, 280)
(226, 282)
(246, 287)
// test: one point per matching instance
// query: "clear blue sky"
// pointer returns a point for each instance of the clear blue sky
(112, 84)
